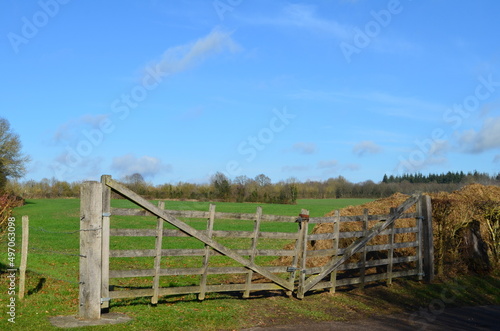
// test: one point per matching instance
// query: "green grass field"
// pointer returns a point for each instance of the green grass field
(53, 262)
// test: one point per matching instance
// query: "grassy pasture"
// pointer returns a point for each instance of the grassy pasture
(52, 280)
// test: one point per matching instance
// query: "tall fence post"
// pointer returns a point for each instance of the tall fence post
(106, 219)
(90, 250)
(424, 207)
(24, 256)
(304, 231)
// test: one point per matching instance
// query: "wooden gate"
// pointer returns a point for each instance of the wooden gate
(294, 274)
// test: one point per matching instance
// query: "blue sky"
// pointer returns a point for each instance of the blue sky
(177, 90)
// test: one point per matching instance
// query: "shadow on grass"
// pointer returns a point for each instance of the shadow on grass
(193, 297)
(39, 286)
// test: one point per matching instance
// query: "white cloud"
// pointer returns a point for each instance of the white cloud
(304, 17)
(69, 131)
(328, 164)
(304, 148)
(488, 137)
(147, 166)
(180, 58)
(366, 147)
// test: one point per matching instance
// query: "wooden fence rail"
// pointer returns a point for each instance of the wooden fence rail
(250, 255)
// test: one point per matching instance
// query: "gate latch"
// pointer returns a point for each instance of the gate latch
(302, 218)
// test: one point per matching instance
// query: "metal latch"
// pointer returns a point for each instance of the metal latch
(302, 218)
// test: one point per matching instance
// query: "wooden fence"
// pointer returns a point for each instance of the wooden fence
(250, 256)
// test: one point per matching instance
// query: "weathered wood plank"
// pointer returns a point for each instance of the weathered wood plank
(106, 213)
(368, 278)
(321, 252)
(195, 233)
(425, 211)
(90, 250)
(304, 231)
(158, 249)
(253, 251)
(24, 255)
(336, 239)
(206, 257)
(406, 244)
(357, 218)
(364, 251)
(390, 252)
(121, 294)
(420, 265)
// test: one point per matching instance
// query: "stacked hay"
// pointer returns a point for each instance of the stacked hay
(377, 207)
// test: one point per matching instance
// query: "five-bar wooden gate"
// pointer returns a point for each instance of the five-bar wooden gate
(293, 275)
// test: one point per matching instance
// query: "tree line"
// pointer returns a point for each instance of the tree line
(443, 178)
(262, 189)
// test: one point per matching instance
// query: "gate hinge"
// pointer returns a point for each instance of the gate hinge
(106, 214)
(104, 300)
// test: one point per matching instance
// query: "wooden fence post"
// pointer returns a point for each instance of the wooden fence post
(425, 213)
(208, 252)
(253, 249)
(24, 256)
(157, 263)
(363, 253)
(106, 218)
(336, 231)
(304, 223)
(390, 252)
(90, 250)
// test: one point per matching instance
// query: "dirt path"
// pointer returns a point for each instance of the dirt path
(463, 318)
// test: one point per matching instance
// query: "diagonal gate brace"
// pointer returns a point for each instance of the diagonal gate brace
(195, 233)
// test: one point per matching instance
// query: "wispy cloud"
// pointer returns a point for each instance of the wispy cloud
(488, 137)
(328, 164)
(304, 147)
(183, 57)
(147, 166)
(70, 130)
(366, 147)
(303, 16)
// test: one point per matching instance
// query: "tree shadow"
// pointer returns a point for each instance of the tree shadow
(39, 286)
